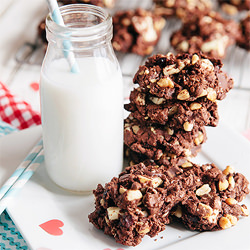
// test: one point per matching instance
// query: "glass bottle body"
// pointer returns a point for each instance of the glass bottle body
(82, 113)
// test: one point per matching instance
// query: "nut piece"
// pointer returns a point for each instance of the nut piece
(245, 211)
(223, 185)
(224, 223)
(187, 152)
(144, 231)
(232, 219)
(187, 165)
(183, 95)
(153, 130)
(229, 9)
(113, 213)
(122, 190)
(126, 21)
(140, 228)
(178, 212)
(195, 106)
(228, 170)
(207, 210)
(231, 201)
(102, 202)
(188, 126)
(183, 63)
(170, 70)
(207, 64)
(135, 129)
(195, 59)
(146, 72)
(143, 179)
(172, 110)
(166, 83)
(157, 181)
(203, 93)
(170, 131)
(199, 139)
(159, 24)
(157, 100)
(134, 195)
(211, 94)
(205, 189)
(231, 181)
(144, 213)
(183, 46)
(141, 99)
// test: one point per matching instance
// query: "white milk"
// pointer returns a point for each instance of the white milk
(82, 119)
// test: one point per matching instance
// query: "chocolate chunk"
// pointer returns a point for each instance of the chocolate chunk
(136, 31)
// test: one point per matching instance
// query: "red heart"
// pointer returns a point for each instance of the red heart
(34, 86)
(52, 227)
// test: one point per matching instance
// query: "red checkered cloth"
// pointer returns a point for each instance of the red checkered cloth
(15, 111)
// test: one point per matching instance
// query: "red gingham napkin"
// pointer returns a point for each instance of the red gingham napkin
(15, 111)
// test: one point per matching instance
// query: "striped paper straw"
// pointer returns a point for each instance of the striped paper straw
(21, 181)
(20, 169)
(67, 51)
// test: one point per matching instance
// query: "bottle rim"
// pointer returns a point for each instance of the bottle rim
(77, 32)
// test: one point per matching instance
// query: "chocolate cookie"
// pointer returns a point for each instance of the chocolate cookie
(166, 159)
(156, 141)
(210, 34)
(232, 7)
(215, 204)
(143, 198)
(244, 38)
(101, 3)
(151, 109)
(185, 77)
(139, 201)
(183, 9)
(136, 31)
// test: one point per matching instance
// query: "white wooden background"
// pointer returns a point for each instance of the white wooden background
(18, 26)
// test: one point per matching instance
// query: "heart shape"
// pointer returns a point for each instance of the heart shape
(34, 86)
(52, 227)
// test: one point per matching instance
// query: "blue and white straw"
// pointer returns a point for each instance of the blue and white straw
(20, 169)
(67, 46)
(21, 181)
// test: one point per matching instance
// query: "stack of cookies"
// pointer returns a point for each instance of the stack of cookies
(175, 100)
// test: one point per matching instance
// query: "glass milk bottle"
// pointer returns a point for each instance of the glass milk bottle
(82, 113)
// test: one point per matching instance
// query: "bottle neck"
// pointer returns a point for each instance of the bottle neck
(86, 27)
